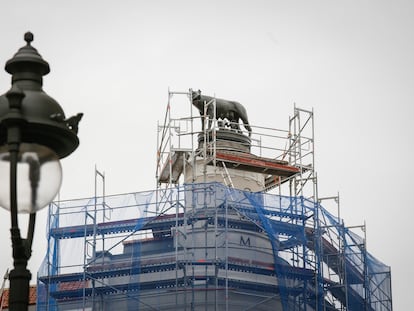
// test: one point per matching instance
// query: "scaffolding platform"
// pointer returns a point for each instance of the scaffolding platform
(252, 163)
(276, 171)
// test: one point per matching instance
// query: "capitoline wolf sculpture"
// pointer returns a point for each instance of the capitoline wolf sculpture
(231, 111)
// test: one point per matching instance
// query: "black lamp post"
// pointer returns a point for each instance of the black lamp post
(34, 135)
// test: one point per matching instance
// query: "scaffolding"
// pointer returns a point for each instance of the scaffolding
(200, 242)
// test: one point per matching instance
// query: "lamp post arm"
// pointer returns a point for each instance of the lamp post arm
(19, 277)
(13, 122)
(30, 233)
(14, 153)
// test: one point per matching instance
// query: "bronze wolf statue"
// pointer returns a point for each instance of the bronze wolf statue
(225, 109)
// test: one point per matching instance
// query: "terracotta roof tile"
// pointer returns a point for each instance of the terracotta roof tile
(73, 285)
(32, 297)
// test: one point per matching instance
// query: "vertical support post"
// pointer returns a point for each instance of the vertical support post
(227, 249)
(366, 274)
(104, 216)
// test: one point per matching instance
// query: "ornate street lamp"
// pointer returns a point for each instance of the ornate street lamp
(34, 135)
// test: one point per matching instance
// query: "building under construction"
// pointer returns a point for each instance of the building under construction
(234, 223)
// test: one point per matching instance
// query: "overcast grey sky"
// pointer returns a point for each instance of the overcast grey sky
(350, 61)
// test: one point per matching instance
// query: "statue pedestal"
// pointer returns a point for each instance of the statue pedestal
(198, 171)
(227, 140)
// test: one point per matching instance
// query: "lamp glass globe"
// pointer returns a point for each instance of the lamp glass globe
(39, 177)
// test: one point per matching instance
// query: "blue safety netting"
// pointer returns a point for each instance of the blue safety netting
(366, 281)
(95, 249)
(78, 250)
